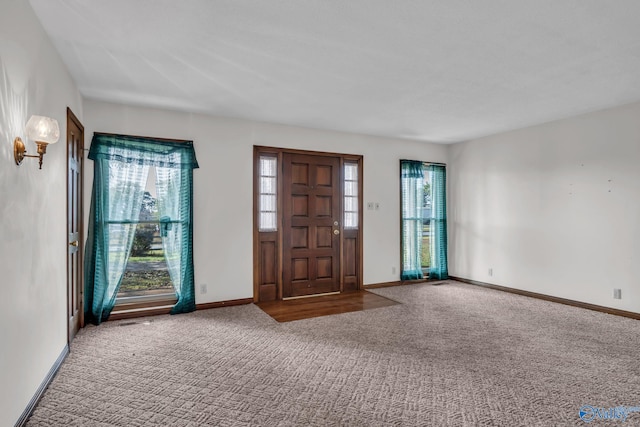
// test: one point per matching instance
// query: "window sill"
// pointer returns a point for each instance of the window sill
(138, 306)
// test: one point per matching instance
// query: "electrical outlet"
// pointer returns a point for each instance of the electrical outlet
(377, 206)
(617, 294)
(491, 272)
(370, 206)
(203, 288)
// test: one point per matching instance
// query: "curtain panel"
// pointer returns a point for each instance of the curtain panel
(412, 190)
(438, 268)
(121, 167)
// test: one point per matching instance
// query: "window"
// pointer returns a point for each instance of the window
(350, 195)
(123, 209)
(268, 216)
(425, 257)
(424, 220)
(147, 272)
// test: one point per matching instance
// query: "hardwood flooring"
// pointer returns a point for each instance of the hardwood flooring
(306, 308)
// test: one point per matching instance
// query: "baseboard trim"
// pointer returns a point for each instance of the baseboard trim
(43, 386)
(401, 283)
(565, 301)
(228, 303)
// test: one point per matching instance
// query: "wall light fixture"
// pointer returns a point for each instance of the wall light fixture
(42, 130)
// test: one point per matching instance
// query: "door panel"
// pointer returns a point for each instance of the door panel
(75, 146)
(311, 224)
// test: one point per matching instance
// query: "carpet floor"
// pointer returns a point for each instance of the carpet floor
(448, 355)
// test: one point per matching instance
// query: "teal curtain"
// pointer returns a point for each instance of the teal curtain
(438, 268)
(174, 188)
(412, 188)
(121, 166)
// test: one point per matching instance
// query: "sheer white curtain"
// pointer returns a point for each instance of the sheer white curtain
(174, 208)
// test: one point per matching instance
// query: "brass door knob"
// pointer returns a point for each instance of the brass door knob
(74, 243)
(336, 232)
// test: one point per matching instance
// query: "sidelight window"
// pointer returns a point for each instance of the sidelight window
(350, 195)
(268, 197)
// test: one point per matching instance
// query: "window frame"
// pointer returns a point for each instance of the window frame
(425, 165)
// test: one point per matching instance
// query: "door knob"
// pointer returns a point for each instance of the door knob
(74, 243)
(335, 223)
(336, 232)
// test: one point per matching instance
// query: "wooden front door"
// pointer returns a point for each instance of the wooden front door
(307, 223)
(75, 147)
(311, 225)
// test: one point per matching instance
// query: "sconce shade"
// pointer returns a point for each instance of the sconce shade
(43, 129)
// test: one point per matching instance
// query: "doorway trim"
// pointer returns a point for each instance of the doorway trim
(268, 245)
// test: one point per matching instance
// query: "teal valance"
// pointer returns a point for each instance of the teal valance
(411, 169)
(143, 151)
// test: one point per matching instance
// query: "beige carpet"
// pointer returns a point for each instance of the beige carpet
(449, 355)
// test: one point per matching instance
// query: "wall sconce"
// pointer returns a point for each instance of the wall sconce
(42, 130)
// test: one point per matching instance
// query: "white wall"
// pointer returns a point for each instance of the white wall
(553, 209)
(33, 248)
(223, 186)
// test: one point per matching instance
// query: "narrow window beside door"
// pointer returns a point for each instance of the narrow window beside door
(267, 219)
(350, 195)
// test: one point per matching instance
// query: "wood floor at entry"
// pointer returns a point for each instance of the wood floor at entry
(306, 308)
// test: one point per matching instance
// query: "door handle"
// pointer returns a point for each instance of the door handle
(336, 232)
(74, 243)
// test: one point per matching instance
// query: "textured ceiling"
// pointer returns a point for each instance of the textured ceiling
(440, 71)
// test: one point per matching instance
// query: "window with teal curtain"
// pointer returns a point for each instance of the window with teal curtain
(412, 188)
(438, 268)
(121, 166)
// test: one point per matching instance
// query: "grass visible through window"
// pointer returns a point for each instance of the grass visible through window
(146, 274)
(425, 255)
